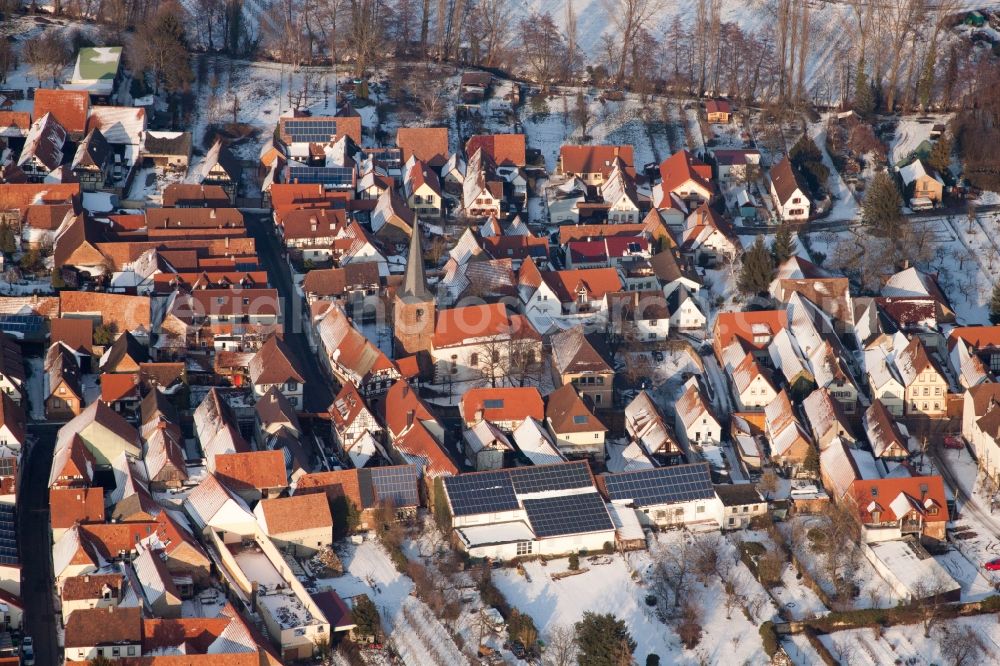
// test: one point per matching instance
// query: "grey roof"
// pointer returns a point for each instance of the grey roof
(738, 494)
(415, 281)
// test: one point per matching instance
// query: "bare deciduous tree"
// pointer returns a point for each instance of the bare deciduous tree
(630, 16)
(560, 646)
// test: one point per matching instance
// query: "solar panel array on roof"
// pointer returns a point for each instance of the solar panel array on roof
(334, 176)
(8, 543)
(661, 485)
(311, 131)
(391, 157)
(571, 514)
(396, 483)
(22, 325)
(562, 476)
(484, 492)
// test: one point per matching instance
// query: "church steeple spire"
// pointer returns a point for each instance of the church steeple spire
(415, 281)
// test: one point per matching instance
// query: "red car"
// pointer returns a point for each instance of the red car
(953, 442)
(993, 565)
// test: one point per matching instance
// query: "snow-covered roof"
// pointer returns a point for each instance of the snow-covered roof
(535, 442)
(626, 522)
(496, 533)
(484, 435)
(786, 356)
(967, 365)
(627, 457)
(915, 170)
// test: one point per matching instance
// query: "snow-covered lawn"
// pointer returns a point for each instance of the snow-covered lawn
(410, 625)
(906, 644)
(845, 207)
(910, 133)
(621, 587)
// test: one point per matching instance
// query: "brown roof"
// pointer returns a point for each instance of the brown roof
(12, 416)
(456, 325)
(161, 374)
(69, 107)
(565, 405)
(257, 470)
(111, 539)
(189, 194)
(336, 281)
(46, 217)
(19, 119)
(504, 149)
(195, 218)
(785, 180)
(595, 159)
(717, 106)
(196, 632)
(88, 627)
(118, 387)
(574, 232)
(127, 313)
(18, 196)
(342, 483)
(596, 281)
(275, 363)
(299, 512)
(90, 586)
(429, 144)
(72, 505)
(77, 334)
(573, 352)
(745, 326)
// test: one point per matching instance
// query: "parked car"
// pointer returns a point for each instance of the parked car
(27, 651)
(993, 565)
(953, 442)
(658, 356)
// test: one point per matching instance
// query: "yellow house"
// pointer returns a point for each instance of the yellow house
(925, 388)
(925, 184)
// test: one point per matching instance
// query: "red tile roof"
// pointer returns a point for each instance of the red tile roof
(504, 149)
(923, 494)
(429, 144)
(457, 325)
(76, 333)
(116, 387)
(72, 505)
(88, 627)
(595, 159)
(257, 470)
(596, 281)
(296, 513)
(515, 404)
(18, 196)
(680, 168)
(744, 326)
(717, 106)
(69, 107)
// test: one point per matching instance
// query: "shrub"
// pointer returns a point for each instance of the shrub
(574, 562)
(652, 659)
(609, 548)
(769, 637)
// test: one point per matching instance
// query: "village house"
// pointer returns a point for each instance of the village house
(310, 232)
(789, 196)
(752, 386)
(43, 149)
(925, 386)
(577, 362)
(739, 166)
(275, 365)
(422, 189)
(685, 177)
(482, 188)
(621, 196)
(168, 150)
(754, 331)
(646, 427)
(718, 111)
(981, 342)
(92, 162)
(694, 423)
(790, 444)
(356, 432)
(368, 490)
(252, 475)
(485, 446)
(741, 503)
(889, 509)
(111, 632)
(638, 316)
(981, 425)
(221, 168)
(498, 514)
(91, 591)
(300, 524)
(593, 164)
(708, 239)
(675, 496)
(570, 420)
(920, 183)
(427, 144)
(889, 440)
(505, 407)
(826, 418)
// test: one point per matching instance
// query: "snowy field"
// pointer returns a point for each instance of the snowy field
(621, 587)
(412, 628)
(906, 644)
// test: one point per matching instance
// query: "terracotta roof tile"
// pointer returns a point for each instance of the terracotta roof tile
(299, 512)
(257, 470)
(503, 404)
(565, 405)
(69, 107)
(504, 149)
(75, 333)
(88, 627)
(72, 505)
(428, 144)
(594, 159)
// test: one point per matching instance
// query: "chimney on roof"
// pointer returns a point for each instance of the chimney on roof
(409, 418)
(227, 242)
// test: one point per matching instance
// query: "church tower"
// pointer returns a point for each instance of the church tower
(413, 309)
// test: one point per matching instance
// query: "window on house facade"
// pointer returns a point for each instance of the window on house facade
(474, 360)
(524, 548)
